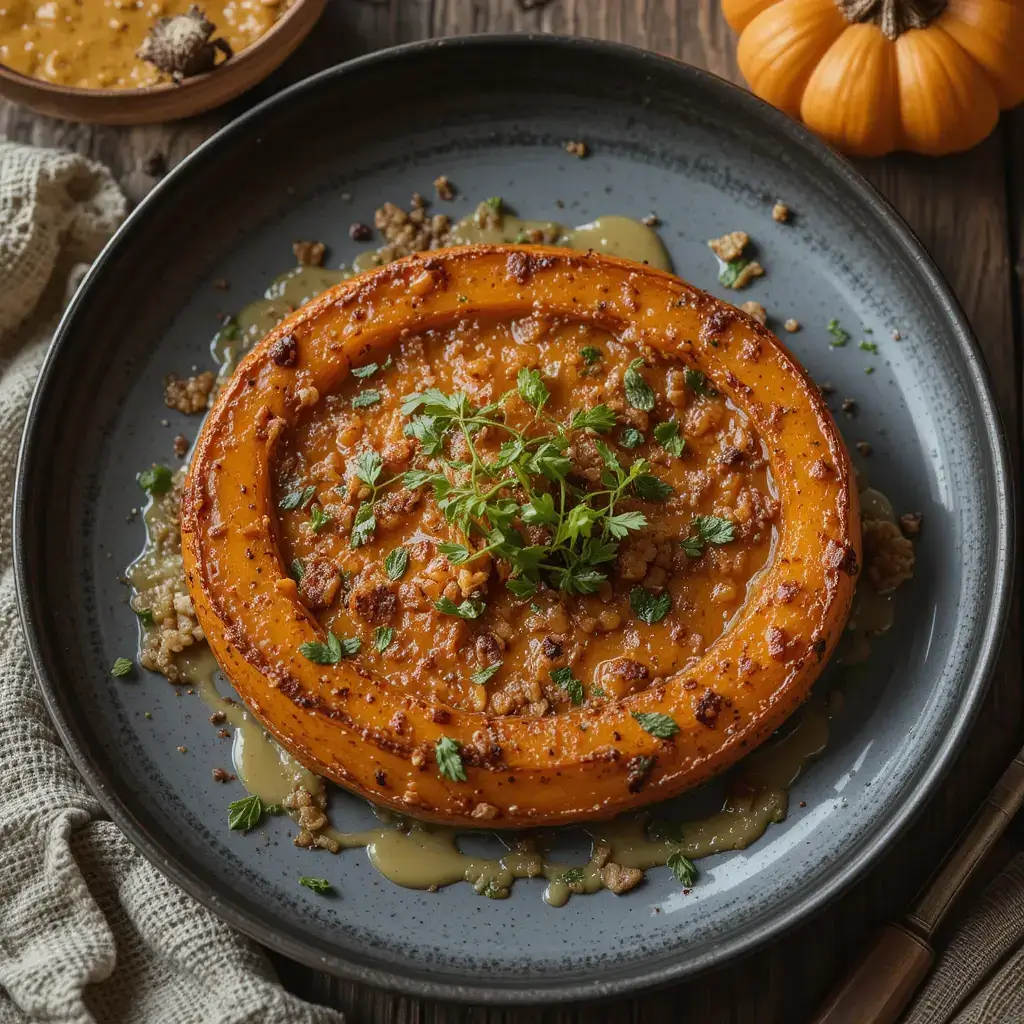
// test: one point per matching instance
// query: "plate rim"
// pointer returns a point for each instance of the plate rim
(637, 977)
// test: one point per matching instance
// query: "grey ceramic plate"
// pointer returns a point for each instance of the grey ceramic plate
(493, 113)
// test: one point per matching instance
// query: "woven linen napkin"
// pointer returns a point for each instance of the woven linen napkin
(90, 931)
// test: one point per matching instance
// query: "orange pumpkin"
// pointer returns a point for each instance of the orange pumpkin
(871, 76)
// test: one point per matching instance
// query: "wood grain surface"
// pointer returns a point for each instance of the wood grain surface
(968, 211)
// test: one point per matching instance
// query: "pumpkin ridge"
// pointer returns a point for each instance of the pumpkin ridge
(893, 17)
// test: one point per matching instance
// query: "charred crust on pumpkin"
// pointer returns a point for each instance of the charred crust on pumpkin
(707, 707)
(638, 768)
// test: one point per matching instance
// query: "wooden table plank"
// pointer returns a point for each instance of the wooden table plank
(959, 208)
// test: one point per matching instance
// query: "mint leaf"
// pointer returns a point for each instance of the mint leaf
(121, 667)
(471, 608)
(156, 479)
(591, 354)
(564, 679)
(531, 388)
(365, 399)
(639, 393)
(658, 725)
(396, 563)
(365, 371)
(332, 652)
(298, 499)
(600, 419)
(667, 435)
(363, 526)
(245, 814)
(319, 885)
(482, 675)
(449, 760)
(382, 638)
(649, 608)
(683, 868)
(698, 382)
(631, 438)
(650, 488)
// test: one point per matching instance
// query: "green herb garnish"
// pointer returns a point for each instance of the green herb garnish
(599, 419)
(319, 885)
(639, 393)
(331, 652)
(298, 499)
(468, 609)
(564, 679)
(366, 398)
(483, 674)
(708, 530)
(668, 436)
(396, 563)
(318, 519)
(362, 372)
(591, 354)
(683, 868)
(297, 569)
(658, 725)
(731, 271)
(650, 608)
(698, 382)
(145, 616)
(572, 876)
(156, 479)
(651, 488)
(868, 346)
(532, 389)
(496, 203)
(383, 637)
(631, 438)
(363, 526)
(245, 814)
(839, 336)
(449, 760)
(121, 667)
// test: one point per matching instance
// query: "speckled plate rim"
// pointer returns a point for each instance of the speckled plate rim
(897, 818)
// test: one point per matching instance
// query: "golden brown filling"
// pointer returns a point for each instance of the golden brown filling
(579, 521)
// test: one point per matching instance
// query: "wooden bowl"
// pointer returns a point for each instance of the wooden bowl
(169, 101)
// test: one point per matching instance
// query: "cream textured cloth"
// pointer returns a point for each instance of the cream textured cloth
(89, 929)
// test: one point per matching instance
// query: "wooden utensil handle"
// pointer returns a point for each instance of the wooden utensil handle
(881, 985)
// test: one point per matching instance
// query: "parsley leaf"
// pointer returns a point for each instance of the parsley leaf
(619, 525)
(631, 438)
(318, 519)
(658, 725)
(668, 436)
(600, 419)
(156, 479)
(591, 354)
(366, 398)
(383, 637)
(708, 530)
(367, 467)
(455, 553)
(564, 678)
(298, 499)
(449, 760)
(639, 393)
(245, 813)
(318, 885)
(145, 616)
(532, 389)
(471, 608)
(869, 346)
(396, 563)
(731, 271)
(365, 371)
(650, 608)
(121, 667)
(331, 652)
(839, 336)
(298, 570)
(650, 488)
(698, 382)
(521, 588)
(683, 868)
(482, 675)
(363, 526)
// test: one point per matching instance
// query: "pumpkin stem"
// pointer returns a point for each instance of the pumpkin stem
(893, 17)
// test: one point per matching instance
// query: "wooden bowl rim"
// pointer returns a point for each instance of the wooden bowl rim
(194, 82)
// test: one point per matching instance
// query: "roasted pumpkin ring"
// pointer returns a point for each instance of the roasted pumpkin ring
(350, 724)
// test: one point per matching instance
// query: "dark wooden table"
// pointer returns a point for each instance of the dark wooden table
(969, 212)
